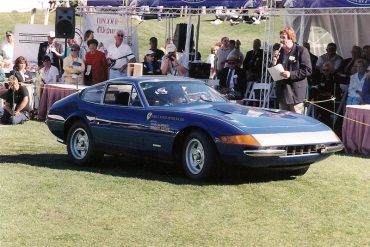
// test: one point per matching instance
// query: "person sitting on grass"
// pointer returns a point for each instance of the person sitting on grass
(16, 105)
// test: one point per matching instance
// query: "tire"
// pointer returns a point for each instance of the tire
(80, 146)
(199, 157)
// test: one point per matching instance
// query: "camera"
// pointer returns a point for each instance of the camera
(171, 57)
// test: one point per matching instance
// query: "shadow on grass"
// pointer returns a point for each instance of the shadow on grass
(143, 169)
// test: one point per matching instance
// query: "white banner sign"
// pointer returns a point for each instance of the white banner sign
(28, 38)
(105, 26)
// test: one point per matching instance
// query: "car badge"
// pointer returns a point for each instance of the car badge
(149, 116)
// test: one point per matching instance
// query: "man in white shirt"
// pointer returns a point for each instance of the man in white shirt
(119, 55)
(174, 63)
(7, 49)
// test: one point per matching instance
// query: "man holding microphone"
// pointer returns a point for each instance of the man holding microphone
(295, 59)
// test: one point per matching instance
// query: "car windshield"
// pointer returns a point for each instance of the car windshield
(171, 93)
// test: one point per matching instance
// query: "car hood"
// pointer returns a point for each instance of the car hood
(259, 118)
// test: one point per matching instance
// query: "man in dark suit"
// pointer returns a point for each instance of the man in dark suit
(52, 49)
(291, 91)
(232, 80)
(252, 63)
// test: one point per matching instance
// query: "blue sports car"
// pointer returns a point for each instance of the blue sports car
(184, 121)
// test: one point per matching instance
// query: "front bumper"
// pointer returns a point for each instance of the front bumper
(322, 149)
(275, 157)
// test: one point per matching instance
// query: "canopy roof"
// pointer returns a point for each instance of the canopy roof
(179, 3)
(325, 3)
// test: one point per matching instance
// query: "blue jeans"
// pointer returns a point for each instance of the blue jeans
(116, 74)
(9, 119)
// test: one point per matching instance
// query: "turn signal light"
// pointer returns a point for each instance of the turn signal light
(240, 140)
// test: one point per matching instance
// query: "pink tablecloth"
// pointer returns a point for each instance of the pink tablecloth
(52, 93)
(356, 136)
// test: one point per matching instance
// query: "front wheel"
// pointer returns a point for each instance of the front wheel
(199, 156)
(80, 145)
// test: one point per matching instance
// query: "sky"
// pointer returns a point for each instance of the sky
(23, 5)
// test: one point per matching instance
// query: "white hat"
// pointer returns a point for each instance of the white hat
(149, 52)
(51, 34)
(170, 48)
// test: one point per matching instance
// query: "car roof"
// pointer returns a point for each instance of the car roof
(159, 78)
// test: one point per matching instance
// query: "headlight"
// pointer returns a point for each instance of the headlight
(240, 140)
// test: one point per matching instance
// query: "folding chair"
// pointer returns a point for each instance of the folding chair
(260, 94)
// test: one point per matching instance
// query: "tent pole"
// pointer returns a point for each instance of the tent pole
(197, 39)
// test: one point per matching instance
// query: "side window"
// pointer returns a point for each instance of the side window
(93, 94)
(121, 94)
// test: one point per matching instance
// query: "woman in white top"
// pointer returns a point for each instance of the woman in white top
(211, 60)
(49, 73)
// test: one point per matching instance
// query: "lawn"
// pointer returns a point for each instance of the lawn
(47, 201)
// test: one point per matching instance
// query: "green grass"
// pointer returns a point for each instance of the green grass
(47, 201)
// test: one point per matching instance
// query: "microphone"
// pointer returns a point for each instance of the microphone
(276, 55)
(280, 47)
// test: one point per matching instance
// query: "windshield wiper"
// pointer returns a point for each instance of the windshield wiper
(204, 98)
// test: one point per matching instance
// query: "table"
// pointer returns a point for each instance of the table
(356, 136)
(52, 93)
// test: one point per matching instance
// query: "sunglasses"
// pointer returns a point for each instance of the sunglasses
(231, 63)
(74, 50)
(119, 35)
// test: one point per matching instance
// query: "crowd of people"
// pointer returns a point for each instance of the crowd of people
(305, 76)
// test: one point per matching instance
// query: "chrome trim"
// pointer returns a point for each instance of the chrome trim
(60, 140)
(56, 117)
(157, 145)
(332, 149)
(265, 152)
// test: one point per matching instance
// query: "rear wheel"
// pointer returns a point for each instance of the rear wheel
(80, 145)
(199, 156)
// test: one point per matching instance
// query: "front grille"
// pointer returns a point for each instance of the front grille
(301, 150)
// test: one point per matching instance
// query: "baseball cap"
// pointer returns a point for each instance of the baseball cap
(170, 48)
(149, 52)
(51, 34)
(8, 33)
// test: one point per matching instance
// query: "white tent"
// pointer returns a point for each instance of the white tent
(344, 21)
(346, 26)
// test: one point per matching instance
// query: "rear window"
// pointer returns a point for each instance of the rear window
(93, 94)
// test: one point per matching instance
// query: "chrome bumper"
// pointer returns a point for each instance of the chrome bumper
(282, 152)
(265, 152)
(332, 149)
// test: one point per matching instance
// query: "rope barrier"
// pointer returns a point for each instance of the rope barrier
(344, 117)
(44, 86)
